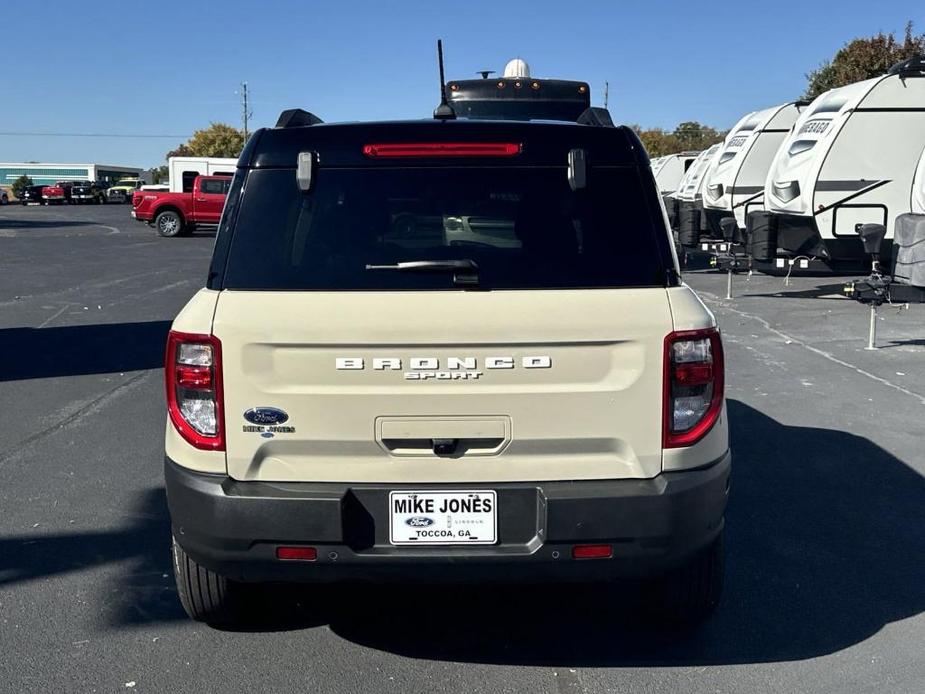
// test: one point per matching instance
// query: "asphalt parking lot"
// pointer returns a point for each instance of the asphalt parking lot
(825, 578)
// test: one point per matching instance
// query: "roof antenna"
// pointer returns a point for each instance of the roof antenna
(444, 111)
(485, 73)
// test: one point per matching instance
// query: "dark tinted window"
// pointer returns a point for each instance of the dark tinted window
(189, 178)
(214, 186)
(524, 227)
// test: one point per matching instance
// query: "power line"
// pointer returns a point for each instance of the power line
(138, 135)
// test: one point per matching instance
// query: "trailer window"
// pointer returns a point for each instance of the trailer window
(189, 178)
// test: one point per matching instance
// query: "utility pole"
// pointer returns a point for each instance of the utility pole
(246, 113)
(606, 93)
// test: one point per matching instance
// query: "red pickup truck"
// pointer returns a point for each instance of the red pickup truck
(177, 214)
(56, 194)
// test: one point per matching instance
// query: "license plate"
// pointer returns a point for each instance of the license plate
(443, 518)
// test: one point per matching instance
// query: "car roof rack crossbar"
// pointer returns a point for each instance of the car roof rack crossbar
(596, 116)
(296, 117)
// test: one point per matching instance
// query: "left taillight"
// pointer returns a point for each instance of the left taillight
(193, 373)
(693, 386)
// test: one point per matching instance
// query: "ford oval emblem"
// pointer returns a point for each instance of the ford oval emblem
(266, 415)
(419, 521)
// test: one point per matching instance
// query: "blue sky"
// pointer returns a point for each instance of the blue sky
(171, 67)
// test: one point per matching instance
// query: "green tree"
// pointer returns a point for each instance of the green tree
(863, 58)
(20, 184)
(181, 151)
(160, 173)
(218, 140)
(689, 135)
(692, 135)
(657, 141)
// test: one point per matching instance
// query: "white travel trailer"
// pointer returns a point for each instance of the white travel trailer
(918, 186)
(690, 186)
(850, 160)
(689, 197)
(734, 183)
(183, 170)
(670, 169)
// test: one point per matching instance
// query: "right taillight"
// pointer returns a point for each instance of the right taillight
(693, 386)
(193, 371)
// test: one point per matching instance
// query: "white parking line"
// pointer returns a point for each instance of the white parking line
(815, 350)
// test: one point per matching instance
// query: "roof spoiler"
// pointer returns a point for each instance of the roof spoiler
(296, 117)
(914, 66)
(597, 116)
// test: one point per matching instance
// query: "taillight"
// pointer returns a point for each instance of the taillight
(693, 395)
(193, 371)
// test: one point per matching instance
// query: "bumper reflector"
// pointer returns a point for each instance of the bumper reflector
(592, 552)
(296, 553)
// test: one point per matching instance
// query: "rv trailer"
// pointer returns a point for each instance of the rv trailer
(668, 172)
(182, 171)
(690, 199)
(670, 169)
(734, 182)
(918, 186)
(849, 161)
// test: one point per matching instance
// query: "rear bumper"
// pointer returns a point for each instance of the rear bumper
(234, 527)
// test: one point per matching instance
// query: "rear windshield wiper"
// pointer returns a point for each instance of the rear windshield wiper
(465, 272)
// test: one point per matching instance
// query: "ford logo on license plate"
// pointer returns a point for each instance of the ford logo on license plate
(266, 415)
(419, 521)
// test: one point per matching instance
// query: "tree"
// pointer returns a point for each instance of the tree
(160, 173)
(863, 58)
(693, 135)
(689, 135)
(218, 140)
(181, 151)
(20, 184)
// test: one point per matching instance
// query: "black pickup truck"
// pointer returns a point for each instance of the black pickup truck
(86, 192)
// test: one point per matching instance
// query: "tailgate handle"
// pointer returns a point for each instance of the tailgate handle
(444, 446)
(443, 436)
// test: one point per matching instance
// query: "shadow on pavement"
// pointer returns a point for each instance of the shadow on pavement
(831, 292)
(81, 349)
(27, 224)
(141, 549)
(825, 538)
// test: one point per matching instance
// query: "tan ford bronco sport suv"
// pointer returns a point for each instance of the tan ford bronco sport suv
(445, 350)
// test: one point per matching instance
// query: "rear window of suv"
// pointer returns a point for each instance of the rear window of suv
(524, 227)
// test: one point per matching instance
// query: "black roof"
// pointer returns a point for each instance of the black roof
(544, 143)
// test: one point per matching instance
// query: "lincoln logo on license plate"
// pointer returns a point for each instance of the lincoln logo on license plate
(443, 518)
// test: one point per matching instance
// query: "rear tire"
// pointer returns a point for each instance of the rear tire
(169, 224)
(690, 593)
(205, 595)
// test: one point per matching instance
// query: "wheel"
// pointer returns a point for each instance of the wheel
(100, 200)
(169, 224)
(207, 596)
(690, 593)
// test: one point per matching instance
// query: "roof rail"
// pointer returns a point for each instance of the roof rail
(296, 117)
(596, 116)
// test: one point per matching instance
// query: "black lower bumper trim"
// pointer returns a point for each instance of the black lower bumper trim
(234, 527)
